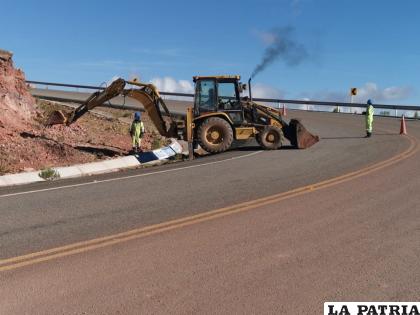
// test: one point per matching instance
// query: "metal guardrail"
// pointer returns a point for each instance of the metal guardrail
(90, 87)
(267, 100)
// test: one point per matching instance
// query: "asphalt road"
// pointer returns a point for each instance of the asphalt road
(356, 238)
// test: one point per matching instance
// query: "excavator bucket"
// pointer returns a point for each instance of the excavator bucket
(299, 136)
(56, 118)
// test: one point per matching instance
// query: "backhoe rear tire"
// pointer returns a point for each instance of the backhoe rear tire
(270, 138)
(215, 135)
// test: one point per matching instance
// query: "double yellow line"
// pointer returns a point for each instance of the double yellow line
(84, 246)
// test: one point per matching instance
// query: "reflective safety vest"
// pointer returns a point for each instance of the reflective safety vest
(369, 118)
(137, 129)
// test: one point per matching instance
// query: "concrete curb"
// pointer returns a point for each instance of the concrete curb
(19, 179)
(155, 157)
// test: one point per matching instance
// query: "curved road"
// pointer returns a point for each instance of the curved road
(284, 237)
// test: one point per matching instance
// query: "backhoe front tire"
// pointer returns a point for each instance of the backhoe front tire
(270, 138)
(215, 135)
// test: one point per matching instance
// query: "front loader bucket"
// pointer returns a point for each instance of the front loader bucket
(56, 118)
(298, 136)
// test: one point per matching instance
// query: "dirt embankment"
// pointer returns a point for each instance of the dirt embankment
(26, 144)
(17, 106)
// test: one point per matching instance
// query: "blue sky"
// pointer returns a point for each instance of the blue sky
(372, 45)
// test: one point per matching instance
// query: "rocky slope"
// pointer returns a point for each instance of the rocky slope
(26, 144)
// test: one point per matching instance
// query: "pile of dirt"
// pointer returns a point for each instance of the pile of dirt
(27, 145)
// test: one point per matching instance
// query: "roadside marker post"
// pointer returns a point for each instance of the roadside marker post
(284, 111)
(403, 127)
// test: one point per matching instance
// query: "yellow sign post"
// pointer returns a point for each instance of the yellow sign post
(353, 92)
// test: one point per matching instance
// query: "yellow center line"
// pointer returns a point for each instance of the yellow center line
(83, 246)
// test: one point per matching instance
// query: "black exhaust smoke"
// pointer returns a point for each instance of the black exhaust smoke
(282, 45)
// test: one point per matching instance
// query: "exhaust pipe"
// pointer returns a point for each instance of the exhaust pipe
(249, 89)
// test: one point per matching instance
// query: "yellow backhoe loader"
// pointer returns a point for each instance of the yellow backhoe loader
(219, 116)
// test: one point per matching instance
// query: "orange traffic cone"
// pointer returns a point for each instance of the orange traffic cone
(403, 128)
(284, 111)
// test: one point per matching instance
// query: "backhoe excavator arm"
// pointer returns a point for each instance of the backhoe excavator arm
(146, 94)
(96, 99)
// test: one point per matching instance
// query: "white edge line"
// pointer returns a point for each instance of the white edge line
(128, 177)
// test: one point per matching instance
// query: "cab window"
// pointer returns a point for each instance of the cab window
(227, 96)
(206, 96)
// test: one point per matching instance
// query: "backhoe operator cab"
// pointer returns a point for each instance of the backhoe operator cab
(218, 94)
(220, 116)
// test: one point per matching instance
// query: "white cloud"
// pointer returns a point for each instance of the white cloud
(164, 84)
(369, 90)
(260, 90)
(372, 91)
(169, 84)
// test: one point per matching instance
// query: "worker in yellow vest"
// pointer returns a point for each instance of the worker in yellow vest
(136, 132)
(369, 118)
